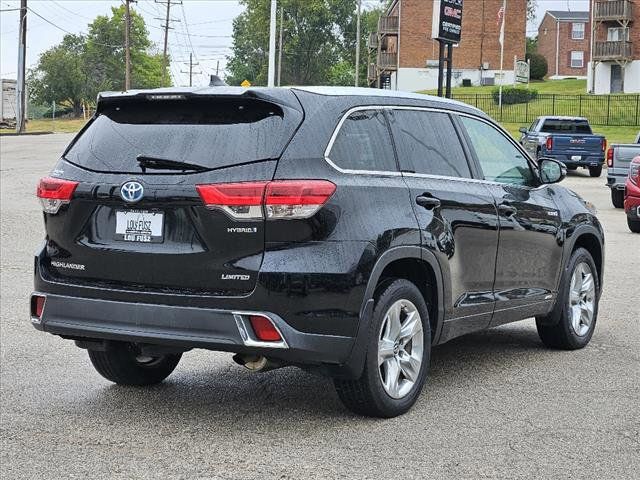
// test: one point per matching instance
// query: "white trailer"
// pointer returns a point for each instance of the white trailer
(8, 103)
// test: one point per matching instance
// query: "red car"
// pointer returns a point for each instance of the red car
(632, 196)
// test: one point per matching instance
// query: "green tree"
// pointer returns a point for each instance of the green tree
(105, 53)
(318, 36)
(539, 66)
(60, 75)
(532, 45)
(81, 66)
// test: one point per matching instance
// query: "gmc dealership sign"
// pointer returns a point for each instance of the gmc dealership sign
(447, 20)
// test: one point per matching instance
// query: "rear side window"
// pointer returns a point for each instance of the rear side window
(364, 143)
(566, 126)
(427, 143)
(211, 132)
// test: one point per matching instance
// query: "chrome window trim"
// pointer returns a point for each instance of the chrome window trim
(389, 173)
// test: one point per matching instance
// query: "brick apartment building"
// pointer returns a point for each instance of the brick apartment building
(403, 55)
(564, 38)
(615, 47)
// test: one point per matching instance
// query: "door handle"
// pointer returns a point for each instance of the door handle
(428, 202)
(507, 210)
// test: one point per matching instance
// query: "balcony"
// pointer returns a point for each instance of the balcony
(609, 51)
(372, 41)
(388, 60)
(388, 25)
(613, 10)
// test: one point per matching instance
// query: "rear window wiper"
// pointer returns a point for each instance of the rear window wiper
(155, 163)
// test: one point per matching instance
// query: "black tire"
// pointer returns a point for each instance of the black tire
(634, 225)
(617, 197)
(122, 363)
(555, 330)
(367, 395)
(595, 171)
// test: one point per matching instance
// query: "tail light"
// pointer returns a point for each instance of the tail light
(634, 171)
(603, 144)
(549, 143)
(610, 157)
(55, 192)
(279, 199)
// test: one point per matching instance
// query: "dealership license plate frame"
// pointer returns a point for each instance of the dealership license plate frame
(147, 226)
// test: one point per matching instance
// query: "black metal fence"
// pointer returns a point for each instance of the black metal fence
(617, 110)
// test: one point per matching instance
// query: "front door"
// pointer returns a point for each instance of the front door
(530, 244)
(616, 79)
(456, 214)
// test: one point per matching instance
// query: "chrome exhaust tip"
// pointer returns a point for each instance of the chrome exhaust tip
(256, 363)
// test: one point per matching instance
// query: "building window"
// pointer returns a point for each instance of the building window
(617, 34)
(577, 59)
(577, 31)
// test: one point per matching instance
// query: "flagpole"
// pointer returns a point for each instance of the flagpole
(504, 15)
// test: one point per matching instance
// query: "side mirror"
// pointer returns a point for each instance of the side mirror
(523, 130)
(551, 170)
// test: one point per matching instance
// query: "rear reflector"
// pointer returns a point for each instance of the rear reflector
(281, 199)
(37, 306)
(264, 330)
(55, 192)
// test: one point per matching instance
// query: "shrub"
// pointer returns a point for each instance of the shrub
(513, 95)
(539, 67)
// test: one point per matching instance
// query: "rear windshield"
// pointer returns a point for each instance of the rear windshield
(566, 126)
(213, 133)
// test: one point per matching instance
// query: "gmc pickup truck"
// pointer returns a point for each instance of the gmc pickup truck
(619, 158)
(567, 139)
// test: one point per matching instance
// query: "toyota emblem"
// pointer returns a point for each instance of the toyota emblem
(132, 192)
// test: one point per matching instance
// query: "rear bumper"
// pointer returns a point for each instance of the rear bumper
(184, 327)
(616, 177)
(632, 206)
(585, 160)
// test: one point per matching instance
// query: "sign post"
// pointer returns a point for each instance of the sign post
(447, 30)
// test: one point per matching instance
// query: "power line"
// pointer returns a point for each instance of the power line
(168, 19)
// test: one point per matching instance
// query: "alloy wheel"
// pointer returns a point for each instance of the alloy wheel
(400, 348)
(582, 293)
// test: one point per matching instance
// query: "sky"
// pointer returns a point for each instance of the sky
(204, 28)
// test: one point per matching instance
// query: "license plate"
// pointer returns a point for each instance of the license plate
(576, 157)
(139, 226)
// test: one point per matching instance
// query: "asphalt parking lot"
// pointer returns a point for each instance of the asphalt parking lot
(497, 404)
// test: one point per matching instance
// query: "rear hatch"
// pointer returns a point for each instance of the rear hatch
(138, 219)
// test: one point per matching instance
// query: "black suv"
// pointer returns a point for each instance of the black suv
(344, 231)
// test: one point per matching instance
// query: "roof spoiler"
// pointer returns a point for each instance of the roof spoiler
(216, 81)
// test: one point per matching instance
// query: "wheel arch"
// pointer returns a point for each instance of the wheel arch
(390, 263)
(589, 238)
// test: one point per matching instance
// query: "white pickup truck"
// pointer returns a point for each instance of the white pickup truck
(619, 157)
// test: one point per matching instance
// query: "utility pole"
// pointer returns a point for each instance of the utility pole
(358, 42)
(191, 65)
(272, 45)
(217, 67)
(280, 46)
(21, 84)
(167, 19)
(127, 45)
